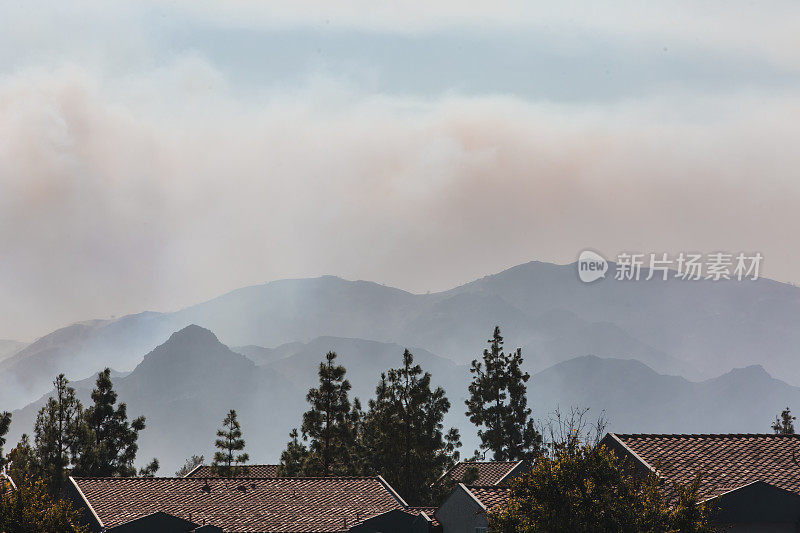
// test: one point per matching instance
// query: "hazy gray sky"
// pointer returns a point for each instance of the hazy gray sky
(156, 154)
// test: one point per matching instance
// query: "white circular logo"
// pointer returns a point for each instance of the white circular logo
(591, 266)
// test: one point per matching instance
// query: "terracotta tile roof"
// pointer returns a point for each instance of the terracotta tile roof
(428, 512)
(489, 495)
(243, 504)
(727, 461)
(489, 472)
(252, 471)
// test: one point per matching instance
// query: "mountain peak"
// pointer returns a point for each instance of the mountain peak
(191, 350)
(751, 371)
(194, 333)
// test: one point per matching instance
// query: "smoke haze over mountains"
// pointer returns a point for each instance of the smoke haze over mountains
(191, 172)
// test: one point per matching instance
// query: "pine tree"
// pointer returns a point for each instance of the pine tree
(150, 469)
(784, 425)
(21, 462)
(357, 452)
(108, 442)
(294, 457)
(403, 431)
(328, 423)
(226, 461)
(5, 425)
(499, 406)
(56, 434)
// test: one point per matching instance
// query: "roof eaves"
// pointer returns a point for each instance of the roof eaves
(86, 501)
(516, 465)
(193, 470)
(633, 453)
(446, 472)
(468, 491)
(757, 482)
(393, 492)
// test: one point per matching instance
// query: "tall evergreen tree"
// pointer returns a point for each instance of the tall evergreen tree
(21, 462)
(108, 442)
(784, 424)
(403, 431)
(356, 450)
(498, 404)
(56, 434)
(294, 457)
(5, 425)
(328, 422)
(226, 461)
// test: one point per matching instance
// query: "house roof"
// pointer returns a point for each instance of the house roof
(727, 461)
(252, 471)
(242, 504)
(489, 496)
(428, 511)
(489, 472)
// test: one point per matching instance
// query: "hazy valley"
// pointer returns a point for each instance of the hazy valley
(675, 347)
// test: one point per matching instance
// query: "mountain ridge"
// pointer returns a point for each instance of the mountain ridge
(698, 330)
(184, 405)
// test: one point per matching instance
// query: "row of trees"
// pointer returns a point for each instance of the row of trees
(401, 434)
(69, 439)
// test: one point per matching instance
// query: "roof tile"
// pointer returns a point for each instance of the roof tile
(240, 505)
(490, 495)
(489, 472)
(727, 461)
(262, 471)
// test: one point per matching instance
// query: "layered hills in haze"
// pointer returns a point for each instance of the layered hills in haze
(694, 329)
(186, 385)
(646, 353)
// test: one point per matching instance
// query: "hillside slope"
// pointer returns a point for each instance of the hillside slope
(185, 386)
(693, 329)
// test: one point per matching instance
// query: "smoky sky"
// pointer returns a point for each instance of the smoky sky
(166, 168)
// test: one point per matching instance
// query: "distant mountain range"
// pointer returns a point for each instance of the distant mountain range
(185, 386)
(693, 329)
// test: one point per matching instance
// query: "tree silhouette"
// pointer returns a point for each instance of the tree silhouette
(57, 434)
(498, 404)
(403, 432)
(108, 442)
(226, 460)
(328, 422)
(784, 424)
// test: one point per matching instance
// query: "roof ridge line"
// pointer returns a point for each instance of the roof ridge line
(707, 435)
(198, 478)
